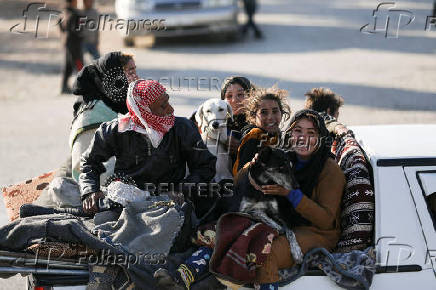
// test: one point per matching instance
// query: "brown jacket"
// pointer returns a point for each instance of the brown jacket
(323, 210)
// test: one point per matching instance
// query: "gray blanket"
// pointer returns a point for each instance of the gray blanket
(149, 227)
(121, 237)
(353, 270)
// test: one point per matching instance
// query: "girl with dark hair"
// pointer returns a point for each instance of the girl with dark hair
(264, 110)
(314, 208)
(234, 91)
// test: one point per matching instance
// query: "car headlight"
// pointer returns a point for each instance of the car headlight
(217, 3)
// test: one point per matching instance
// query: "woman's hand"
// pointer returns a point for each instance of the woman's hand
(275, 189)
(248, 164)
(90, 204)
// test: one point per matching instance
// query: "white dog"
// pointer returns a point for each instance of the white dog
(211, 118)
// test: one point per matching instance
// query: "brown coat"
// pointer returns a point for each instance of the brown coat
(323, 210)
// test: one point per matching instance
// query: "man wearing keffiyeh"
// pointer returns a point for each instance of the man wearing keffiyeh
(149, 110)
(151, 146)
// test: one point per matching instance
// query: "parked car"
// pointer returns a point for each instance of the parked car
(169, 18)
(403, 160)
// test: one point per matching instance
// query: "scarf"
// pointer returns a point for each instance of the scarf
(141, 94)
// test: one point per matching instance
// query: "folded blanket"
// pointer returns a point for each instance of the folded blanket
(354, 270)
(242, 245)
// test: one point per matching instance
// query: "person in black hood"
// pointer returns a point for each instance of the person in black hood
(102, 90)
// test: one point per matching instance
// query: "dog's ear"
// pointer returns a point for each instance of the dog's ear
(199, 116)
(230, 111)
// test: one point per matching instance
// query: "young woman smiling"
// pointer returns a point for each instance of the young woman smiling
(313, 212)
(264, 110)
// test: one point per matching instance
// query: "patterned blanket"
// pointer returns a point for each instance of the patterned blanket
(24, 192)
(242, 244)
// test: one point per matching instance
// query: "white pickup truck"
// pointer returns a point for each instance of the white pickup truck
(403, 160)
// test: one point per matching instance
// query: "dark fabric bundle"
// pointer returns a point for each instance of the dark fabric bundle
(358, 203)
(242, 81)
(103, 80)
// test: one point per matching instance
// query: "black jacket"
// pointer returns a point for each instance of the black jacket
(138, 159)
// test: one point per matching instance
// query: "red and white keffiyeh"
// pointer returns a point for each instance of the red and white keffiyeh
(141, 94)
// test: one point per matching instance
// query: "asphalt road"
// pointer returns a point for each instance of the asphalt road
(307, 44)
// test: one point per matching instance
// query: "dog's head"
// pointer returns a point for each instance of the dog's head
(212, 115)
(273, 166)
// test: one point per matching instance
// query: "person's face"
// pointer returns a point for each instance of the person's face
(130, 71)
(88, 4)
(304, 138)
(268, 116)
(73, 4)
(161, 107)
(235, 94)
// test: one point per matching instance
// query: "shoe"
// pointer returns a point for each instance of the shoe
(67, 91)
(164, 281)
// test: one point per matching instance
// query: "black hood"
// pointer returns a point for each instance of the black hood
(104, 80)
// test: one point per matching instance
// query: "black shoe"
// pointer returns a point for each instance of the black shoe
(164, 281)
(66, 90)
(258, 34)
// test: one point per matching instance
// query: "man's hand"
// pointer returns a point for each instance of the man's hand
(177, 197)
(90, 204)
(275, 189)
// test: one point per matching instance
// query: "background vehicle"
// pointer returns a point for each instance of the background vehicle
(178, 17)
